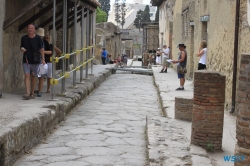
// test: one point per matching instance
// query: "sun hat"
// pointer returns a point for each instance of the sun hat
(40, 32)
(181, 45)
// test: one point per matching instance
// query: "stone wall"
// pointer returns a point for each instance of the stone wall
(107, 35)
(208, 109)
(12, 56)
(243, 112)
(2, 11)
(183, 108)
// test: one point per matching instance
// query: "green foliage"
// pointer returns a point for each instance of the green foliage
(101, 16)
(138, 19)
(123, 12)
(117, 11)
(157, 15)
(105, 6)
(146, 15)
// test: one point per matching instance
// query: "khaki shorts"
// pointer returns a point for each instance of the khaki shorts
(165, 63)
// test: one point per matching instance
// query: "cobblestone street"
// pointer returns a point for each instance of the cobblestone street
(108, 128)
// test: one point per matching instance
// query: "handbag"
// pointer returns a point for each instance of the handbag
(36, 55)
(181, 70)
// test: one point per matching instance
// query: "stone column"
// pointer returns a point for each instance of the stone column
(208, 109)
(242, 149)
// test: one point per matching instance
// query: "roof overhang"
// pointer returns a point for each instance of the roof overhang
(87, 4)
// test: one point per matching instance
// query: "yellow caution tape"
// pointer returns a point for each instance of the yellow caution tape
(51, 81)
(66, 75)
(77, 68)
(78, 52)
(55, 81)
(56, 59)
(67, 56)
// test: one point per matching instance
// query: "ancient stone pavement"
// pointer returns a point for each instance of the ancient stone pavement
(108, 128)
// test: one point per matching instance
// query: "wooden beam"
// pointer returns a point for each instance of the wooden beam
(24, 10)
(79, 19)
(37, 15)
(46, 22)
(70, 14)
(72, 24)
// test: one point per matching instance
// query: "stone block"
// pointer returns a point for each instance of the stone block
(183, 108)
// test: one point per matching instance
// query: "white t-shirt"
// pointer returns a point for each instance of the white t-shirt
(165, 53)
(203, 58)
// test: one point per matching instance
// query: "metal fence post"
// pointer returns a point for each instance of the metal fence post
(82, 45)
(64, 43)
(87, 43)
(74, 57)
(53, 43)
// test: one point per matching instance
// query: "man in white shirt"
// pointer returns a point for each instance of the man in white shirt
(165, 56)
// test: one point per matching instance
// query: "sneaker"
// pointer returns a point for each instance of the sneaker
(179, 88)
(39, 94)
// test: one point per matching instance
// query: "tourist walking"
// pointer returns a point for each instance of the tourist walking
(48, 47)
(181, 65)
(165, 56)
(103, 55)
(158, 56)
(33, 54)
(202, 53)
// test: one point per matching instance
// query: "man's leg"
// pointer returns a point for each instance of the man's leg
(48, 84)
(33, 85)
(27, 83)
(182, 82)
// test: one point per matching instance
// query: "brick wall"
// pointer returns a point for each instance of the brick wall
(183, 108)
(208, 109)
(243, 110)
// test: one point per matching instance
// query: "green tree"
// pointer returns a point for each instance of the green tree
(117, 12)
(146, 14)
(157, 15)
(138, 19)
(101, 16)
(123, 12)
(105, 6)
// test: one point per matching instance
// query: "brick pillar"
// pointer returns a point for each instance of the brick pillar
(208, 109)
(242, 109)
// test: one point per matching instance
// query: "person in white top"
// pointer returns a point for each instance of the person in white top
(158, 57)
(203, 55)
(165, 56)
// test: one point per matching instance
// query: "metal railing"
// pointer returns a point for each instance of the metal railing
(87, 34)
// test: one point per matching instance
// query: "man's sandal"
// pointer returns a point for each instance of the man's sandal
(48, 91)
(32, 96)
(26, 96)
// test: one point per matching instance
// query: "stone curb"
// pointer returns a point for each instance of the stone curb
(19, 138)
(163, 111)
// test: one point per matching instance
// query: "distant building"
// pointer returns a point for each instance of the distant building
(131, 13)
